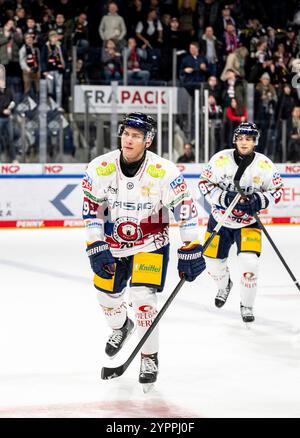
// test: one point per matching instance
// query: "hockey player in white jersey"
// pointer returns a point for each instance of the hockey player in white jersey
(262, 184)
(128, 194)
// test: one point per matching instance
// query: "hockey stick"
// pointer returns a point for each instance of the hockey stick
(255, 215)
(111, 373)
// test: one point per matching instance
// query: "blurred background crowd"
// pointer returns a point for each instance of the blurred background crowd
(221, 46)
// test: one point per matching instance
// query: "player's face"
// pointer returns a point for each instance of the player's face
(245, 144)
(132, 144)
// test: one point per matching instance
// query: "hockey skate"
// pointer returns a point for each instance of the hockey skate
(118, 338)
(222, 294)
(148, 371)
(247, 314)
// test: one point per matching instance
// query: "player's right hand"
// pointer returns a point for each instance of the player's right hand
(190, 260)
(226, 198)
(101, 259)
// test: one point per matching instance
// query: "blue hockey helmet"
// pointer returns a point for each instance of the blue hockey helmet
(139, 121)
(247, 128)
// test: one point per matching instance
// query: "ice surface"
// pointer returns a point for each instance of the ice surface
(52, 337)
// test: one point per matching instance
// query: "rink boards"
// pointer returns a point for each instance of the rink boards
(49, 195)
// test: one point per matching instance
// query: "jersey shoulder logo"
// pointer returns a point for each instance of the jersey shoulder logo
(87, 182)
(178, 185)
(222, 161)
(156, 171)
(105, 169)
(264, 164)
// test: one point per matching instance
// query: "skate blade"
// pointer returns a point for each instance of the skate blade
(248, 325)
(219, 304)
(147, 387)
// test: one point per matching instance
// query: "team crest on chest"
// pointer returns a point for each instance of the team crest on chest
(127, 230)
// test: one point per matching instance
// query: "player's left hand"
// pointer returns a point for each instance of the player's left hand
(254, 203)
(190, 260)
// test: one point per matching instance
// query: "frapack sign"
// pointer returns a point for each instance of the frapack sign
(100, 99)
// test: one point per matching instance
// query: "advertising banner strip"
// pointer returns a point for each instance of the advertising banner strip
(46, 176)
(79, 169)
(78, 223)
(73, 223)
(40, 176)
(50, 195)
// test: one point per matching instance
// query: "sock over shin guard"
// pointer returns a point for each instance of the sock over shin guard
(114, 308)
(218, 270)
(248, 268)
(144, 302)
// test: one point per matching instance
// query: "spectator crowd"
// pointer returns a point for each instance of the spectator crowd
(224, 45)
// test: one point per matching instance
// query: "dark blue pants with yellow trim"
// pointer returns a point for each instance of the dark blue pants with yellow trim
(125, 270)
(247, 239)
(248, 242)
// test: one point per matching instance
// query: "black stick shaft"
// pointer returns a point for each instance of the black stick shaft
(261, 225)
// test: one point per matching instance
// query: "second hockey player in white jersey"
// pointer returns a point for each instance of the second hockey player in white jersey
(128, 195)
(263, 185)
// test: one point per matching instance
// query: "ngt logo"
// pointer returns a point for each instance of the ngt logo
(178, 185)
(292, 168)
(10, 168)
(53, 168)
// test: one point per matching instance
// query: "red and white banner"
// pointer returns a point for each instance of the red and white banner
(42, 169)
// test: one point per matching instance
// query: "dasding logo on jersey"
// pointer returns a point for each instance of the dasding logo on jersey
(207, 173)
(105, 169)
(277, 179)
(127, 230)
(87, 182)
(178, 185)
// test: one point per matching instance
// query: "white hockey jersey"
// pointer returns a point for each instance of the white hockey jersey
(218, 176)
(132, 213)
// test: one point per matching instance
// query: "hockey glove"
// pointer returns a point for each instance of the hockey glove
(101, 259)
(226, 198)
(254, 203)
(190, 261)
